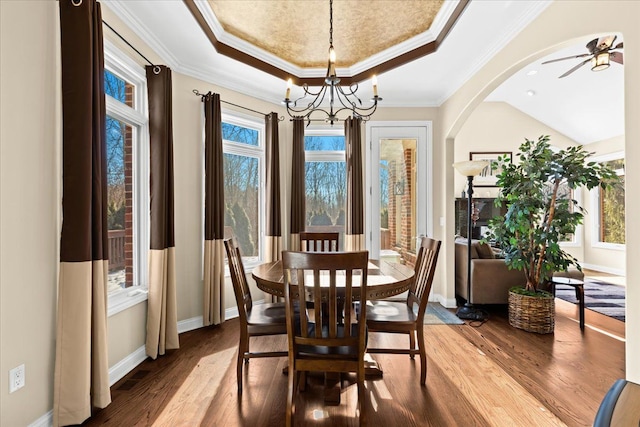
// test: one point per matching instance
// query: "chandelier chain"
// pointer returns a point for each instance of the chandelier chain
(330, 23)
(344, 99)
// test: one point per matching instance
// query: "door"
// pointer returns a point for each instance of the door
(399, 188)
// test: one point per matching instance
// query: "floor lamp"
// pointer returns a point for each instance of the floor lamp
(470, 169)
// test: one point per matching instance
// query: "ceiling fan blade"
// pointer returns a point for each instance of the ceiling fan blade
(575, 68)
(566, 57)
(618, 46)
(591, 46)
(616, 57)
(606, 42)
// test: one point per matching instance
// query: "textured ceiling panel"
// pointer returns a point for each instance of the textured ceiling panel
(298, 30)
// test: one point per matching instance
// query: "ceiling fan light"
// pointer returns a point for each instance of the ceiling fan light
(600, 61)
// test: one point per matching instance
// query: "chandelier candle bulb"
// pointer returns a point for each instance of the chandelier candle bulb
(374, 81)
(288, 94)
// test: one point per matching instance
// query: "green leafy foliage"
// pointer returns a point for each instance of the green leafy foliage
(537, 217)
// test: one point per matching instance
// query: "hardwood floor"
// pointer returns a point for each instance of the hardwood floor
(491, 375)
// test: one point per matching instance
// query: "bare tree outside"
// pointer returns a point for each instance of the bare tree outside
(242, 190)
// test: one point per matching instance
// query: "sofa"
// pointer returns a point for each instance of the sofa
(490, 276)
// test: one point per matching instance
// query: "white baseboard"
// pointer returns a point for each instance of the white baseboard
(190, 324)
(126, 365)
(603, 269)
(446, 303)
(44, 421)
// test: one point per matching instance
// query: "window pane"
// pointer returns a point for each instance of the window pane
(324, 143)
(241, 196)
(326, 190)
(239, 134)
(119, 203)
(612, 219)
(119, 89)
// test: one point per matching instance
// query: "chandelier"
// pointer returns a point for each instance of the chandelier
(340, 99)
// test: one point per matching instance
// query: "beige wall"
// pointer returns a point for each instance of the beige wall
(29, 199)
(612, 260)
(497, 126)
(560, 24)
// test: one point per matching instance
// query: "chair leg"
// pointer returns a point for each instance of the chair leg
(290, 396)
(361, 396)
(412, 344)
(423, 356)
(239, 368)
(242, 348)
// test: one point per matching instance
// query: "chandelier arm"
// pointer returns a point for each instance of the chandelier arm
(346, 98)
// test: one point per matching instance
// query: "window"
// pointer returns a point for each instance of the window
(244, 171)
(127, 178)
(611, 219)
(325, 181)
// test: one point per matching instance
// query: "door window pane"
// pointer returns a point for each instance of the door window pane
(397, 179)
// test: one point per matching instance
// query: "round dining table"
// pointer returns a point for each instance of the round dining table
(384, 279)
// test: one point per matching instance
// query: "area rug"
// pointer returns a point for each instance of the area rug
(599, 296)
(436, 314)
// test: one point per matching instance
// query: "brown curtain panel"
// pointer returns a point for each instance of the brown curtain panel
(354, 235)
(81, 366)
(213, 311)
(298, 198)
(162, 312)
(273, 230)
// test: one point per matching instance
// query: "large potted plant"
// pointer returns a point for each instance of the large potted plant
(537, 190)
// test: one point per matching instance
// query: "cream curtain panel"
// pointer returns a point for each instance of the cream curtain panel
(354, 235)
(273, 230)
(81, 378)
(298, 197)
(162, 311)
(213, 310)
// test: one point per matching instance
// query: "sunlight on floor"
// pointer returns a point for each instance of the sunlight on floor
(194, 393)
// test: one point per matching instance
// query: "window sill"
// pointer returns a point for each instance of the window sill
(610, 246)
(126, 298)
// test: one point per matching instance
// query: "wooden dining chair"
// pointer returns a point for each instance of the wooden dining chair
(332, 338)
(399, 317)
(319, 242)
(255, 320)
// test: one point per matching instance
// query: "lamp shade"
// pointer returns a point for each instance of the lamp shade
(471, 167)
(600, 61)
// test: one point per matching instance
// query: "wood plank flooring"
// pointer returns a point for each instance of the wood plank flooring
(490, 375)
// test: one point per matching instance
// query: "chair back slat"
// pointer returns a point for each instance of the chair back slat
(424, 271)
(319, 242)
(239, 279)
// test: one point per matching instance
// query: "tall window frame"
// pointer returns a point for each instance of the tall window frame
(254, 152)
(137, 117)
(596, 205)
(328, 156)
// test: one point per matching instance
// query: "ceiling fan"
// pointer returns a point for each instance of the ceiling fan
(600, 54)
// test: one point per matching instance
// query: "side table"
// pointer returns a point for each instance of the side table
(578, 285)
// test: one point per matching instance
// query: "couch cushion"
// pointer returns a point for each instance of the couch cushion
(484, 251)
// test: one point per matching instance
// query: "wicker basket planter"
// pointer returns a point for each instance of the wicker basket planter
(532, 314)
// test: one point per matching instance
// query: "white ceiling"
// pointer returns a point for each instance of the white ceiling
(585, 106)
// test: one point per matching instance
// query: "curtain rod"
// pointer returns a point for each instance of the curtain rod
(156, 69)
(202, 95)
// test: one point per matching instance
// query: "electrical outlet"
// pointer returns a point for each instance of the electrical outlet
(16, 378)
